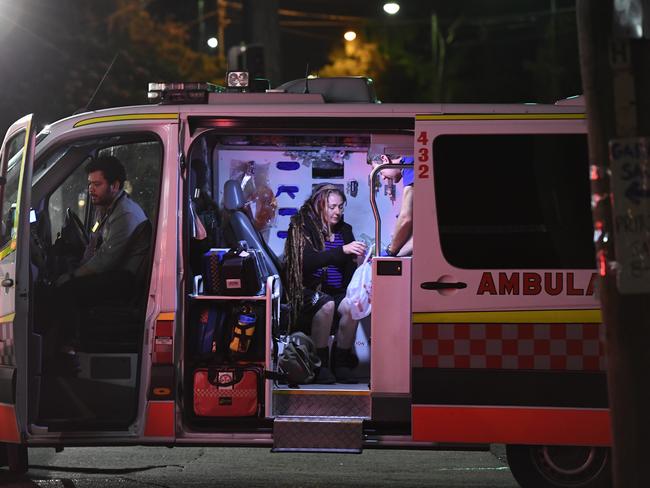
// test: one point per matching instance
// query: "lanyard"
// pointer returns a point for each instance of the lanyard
(100, 223)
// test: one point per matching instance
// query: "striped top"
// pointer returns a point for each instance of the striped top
(334, 274)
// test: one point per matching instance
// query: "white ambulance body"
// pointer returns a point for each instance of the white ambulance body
(489, 333)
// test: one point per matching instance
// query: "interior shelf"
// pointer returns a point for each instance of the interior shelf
(223, 297)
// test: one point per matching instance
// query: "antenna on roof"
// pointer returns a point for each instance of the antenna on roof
(99, 85)
(307, 79)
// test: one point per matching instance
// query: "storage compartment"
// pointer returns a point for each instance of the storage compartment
(255, 183)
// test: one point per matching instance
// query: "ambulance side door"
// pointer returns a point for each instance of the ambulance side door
(16, 164)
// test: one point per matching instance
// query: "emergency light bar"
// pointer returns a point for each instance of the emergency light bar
(185, 92)
(344, 89)
(237, 79)
(240, 81)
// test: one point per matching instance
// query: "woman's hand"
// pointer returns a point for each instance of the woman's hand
(355, 247)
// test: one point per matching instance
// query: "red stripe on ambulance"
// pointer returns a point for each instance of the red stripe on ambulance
(8, 424)
(160, 419)
(512, 425)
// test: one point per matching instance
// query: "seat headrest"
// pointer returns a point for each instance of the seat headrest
(233, 197)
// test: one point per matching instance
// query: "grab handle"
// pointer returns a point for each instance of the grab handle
(439, 285)
(373, 202)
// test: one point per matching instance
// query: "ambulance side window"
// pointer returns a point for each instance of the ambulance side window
(70, 194)
(514, 201)
(142, 162)
(10, 193)
(141, 156)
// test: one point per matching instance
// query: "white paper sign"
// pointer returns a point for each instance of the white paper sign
(630, 184)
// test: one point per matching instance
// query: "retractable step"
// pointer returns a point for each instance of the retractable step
(322, 401)
(318, 434)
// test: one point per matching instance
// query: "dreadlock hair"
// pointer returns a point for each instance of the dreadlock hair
(308, 225)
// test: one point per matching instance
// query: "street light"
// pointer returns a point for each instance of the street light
(391, 8)
(213, 42)
(350, 36)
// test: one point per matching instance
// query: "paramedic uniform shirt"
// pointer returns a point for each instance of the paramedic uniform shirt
(111, 239)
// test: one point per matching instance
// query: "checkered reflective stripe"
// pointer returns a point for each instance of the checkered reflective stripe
(7, 351)
(576, 347)
(224, 393)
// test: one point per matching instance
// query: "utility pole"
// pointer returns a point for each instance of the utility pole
(222, 22)
(615, 72)
(262, 27)
(200, 17)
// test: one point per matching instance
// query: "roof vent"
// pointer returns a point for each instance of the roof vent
(344, 89)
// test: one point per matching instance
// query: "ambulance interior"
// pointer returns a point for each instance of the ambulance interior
(271, 175)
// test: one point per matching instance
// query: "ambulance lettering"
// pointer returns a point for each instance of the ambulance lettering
(528, 283)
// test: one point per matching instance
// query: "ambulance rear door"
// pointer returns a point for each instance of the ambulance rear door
(16, 159)
(504, 307)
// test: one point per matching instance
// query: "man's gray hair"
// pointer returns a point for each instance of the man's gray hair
(375, 158)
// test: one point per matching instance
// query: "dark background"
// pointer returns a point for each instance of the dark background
(55, 52)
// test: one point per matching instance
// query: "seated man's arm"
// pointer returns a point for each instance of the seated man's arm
(404, 226)
(113, 248)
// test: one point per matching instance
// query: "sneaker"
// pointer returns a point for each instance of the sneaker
(345, 375)
(324, 376)
(343, 362)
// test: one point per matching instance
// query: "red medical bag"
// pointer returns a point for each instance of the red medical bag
(228, 391)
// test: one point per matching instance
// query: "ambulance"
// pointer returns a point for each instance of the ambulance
(489, 333)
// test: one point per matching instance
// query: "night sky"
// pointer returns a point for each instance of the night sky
(54, 52)
(312, 41)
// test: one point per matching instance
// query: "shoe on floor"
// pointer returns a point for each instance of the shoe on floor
(343, 362)
(324, 376)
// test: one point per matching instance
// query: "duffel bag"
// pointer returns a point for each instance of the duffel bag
(241, 273)
(228, 391)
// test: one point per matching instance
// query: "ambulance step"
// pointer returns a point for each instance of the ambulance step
(320, 402)
(318, 434)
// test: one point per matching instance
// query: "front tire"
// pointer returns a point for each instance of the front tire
(560, 466)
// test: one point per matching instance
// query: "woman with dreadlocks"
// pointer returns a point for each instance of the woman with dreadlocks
(320, 258)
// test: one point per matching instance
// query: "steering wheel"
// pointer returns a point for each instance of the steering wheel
(77, 227)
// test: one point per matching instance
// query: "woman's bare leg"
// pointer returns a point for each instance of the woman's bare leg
(322, 324)
(347, 327)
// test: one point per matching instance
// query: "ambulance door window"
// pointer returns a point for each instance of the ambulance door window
(71, 195)
(514, 201)
(142, 163)
(10, 192)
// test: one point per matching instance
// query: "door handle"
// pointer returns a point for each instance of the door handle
(439, 285)
(7, 282)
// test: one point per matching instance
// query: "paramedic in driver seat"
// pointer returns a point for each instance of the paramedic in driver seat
(111, 261)
(401, 243)
(320, 259)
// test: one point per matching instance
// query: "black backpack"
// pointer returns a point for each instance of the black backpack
(299, 361)
(242, 271)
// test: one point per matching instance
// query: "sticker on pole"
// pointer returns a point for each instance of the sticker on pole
(630, 180)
